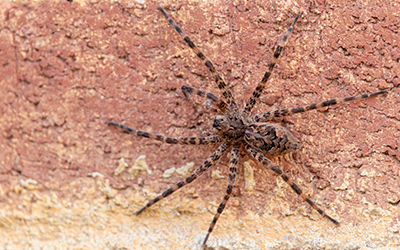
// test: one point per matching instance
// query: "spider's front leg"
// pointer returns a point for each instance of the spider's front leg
(210, 162)
(233, 171)
(226, 93)
(181, 140)
(268, 164)
(260, 87)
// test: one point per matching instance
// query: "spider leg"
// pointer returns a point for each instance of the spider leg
(218, 79)
(260, 87)
(211, 99)
(210, 162)
(267, 163)
(233, 171)
(182, 140)
(267, 116)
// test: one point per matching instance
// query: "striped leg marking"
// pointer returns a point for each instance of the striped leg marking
(183, 140)
(267, 163)
(267, 116)
(260, 87)
(233, 171)
(210, 97)
(218, 79)
(210, 162)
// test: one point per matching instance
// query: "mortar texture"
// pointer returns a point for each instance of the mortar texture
(67, 68)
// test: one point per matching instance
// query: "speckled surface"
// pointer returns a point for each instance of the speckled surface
(67, 68)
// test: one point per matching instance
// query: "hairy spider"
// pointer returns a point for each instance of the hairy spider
(234, 127)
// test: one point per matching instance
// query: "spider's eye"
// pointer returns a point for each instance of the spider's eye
(218, 122)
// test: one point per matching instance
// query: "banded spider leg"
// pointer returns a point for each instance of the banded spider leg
(233, 127)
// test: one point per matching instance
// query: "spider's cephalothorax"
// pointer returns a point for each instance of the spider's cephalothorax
(233, 128)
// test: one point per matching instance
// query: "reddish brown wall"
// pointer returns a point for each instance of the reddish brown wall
(67, 68)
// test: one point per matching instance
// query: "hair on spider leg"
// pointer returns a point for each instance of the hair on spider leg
(235, 128)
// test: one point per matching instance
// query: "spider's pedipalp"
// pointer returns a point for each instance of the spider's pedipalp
(267, 116)
(211, 98)
(226, 93)
(209, 107)
(190, 90)
(234, 127)
(260, 87)
(267, 163)
(182, 140)
(210, 162)
(233, 171)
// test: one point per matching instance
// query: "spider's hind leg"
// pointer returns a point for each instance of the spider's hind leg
(267, 163)
(267, 116)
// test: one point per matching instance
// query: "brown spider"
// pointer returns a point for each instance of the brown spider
(234, 127)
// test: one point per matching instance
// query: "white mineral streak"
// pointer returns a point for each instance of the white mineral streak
(139, 165)
(121, 167)
(249, 176)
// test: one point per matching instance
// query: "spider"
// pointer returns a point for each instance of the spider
(233, 127)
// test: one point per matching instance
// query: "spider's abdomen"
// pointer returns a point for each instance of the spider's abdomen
(270, 139)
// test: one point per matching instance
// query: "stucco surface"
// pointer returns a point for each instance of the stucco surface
(67, 68)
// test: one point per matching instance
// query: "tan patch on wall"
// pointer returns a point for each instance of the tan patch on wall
(67, 68)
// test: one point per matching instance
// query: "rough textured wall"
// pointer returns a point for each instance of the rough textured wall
(67, 68)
